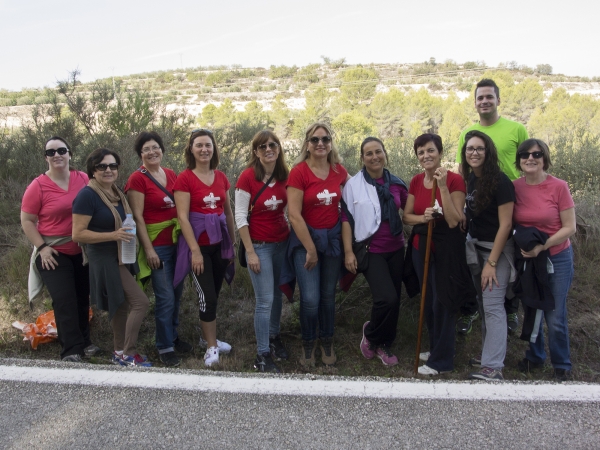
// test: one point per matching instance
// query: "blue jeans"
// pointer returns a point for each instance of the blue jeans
(267, 314)
(317, 294)
(166, 310)
(556, 320)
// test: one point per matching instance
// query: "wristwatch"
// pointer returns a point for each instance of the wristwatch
(492, 263)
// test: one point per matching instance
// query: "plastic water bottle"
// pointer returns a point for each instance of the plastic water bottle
(128, 252)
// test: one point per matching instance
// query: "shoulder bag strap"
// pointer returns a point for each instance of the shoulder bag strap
(160, 186)
(262, 189)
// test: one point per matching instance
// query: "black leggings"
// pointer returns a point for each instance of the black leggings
(208, 284)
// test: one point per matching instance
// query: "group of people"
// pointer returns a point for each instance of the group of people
(486, 231)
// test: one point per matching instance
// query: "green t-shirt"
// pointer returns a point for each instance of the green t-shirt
(507, 136)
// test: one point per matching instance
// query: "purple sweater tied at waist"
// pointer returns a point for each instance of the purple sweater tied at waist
(215, 226)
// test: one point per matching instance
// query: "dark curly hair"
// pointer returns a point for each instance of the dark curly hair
(487, 184)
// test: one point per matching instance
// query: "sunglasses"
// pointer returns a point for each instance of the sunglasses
(200, 129)
(315, 140)
(536, 155)
(103, 167)
(271, 145)
(61, 151)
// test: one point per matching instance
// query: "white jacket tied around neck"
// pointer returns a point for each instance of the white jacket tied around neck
(362, 202)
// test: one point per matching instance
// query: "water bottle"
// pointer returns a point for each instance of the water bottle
(128, 252)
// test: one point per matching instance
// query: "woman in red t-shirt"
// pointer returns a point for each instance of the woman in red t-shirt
(155, 215)
(450, 199)
(206, 220)
(265, 240)
(314, 192)
(46, 218)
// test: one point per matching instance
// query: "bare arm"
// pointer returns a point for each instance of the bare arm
(229, 218)
(488, 274)
(295, 197)
(28, 222)
(349, 256)
(409, 217)
(182, 202)
(568, 220)
(454, 202)
(136, 201)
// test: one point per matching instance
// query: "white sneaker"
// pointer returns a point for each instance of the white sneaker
(424, 356)
(224, 347)
(426, 370)
(211, 356)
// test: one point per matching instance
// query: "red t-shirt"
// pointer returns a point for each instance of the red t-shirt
(204, 199)
(320, 205)
(540, 206)
(267, 222)
(53, 207)
(158, 207)
(423, 195)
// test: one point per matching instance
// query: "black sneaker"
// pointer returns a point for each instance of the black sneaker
(278, 350)
(264, 363)
(512, 322)
(169, 359)
(561, 375)
(464, 324)
(182, 346)
(475, 362)
(527, 366)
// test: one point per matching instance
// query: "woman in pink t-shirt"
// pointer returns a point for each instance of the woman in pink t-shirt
(545, 202)
(314, 192)
(46, 218)
(264, 235)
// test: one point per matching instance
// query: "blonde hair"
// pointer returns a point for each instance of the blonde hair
(333, 157)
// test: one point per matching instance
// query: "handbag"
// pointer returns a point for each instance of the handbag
(241, 248)
(361, 252)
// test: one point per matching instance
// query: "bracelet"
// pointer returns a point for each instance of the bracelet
(42, 246)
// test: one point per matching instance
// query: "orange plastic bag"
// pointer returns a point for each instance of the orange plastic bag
(43, 330)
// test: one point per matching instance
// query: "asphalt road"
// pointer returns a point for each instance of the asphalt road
(106, 407)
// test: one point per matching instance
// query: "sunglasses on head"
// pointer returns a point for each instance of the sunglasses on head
(103, 167)
(200, 129)
(536, 155)
(271, 145)
(315, 140)
(61, 151)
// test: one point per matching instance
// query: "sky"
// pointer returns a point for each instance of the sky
(41, 42)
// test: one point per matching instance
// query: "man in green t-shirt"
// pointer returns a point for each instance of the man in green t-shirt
(507, 136)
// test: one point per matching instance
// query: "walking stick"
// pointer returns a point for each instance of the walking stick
(425, 273)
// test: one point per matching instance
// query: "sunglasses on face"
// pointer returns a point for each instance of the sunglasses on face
(103, 167)
(61, 151)
(271, 145)
(536, 155)
(315, 140)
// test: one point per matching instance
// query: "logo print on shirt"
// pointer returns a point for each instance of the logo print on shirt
(470, 200)
(325, 197)
(168, 202)
(272, 204)
(211, 201)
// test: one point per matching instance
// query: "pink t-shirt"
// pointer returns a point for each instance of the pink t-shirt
(53, 207)
(320, 204)
(540, 206)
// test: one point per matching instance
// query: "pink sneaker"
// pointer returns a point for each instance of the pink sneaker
(386, 356)
(365, 345)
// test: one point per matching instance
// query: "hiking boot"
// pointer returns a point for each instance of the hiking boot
(211, 356)
(91, 350)
(365, 346)
(386, 356)
(512, 322)
(73, 358)
(278, 350)
(475, 362)
(464, 324)
(527, 366)
(224, 347)
(424, 356)
(307, 359)
(327, 353)
(264, 363)
(487, 374)
(561, 375)
(182, 346)
(169, 359)
(135, 361)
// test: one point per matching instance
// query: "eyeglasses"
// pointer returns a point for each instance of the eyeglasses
(536, 155)
(61, 151)
(477, 150)
(271, 145)
(154, 148)
(315, 140)
(103, 167)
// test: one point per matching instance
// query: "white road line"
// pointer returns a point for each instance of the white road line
(285, 386)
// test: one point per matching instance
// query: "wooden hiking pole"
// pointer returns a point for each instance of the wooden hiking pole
(425, 273)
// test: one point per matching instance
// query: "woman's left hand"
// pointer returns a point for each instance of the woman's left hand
(350, 262)
(441, 175)
(488, 276)
(533, 252)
